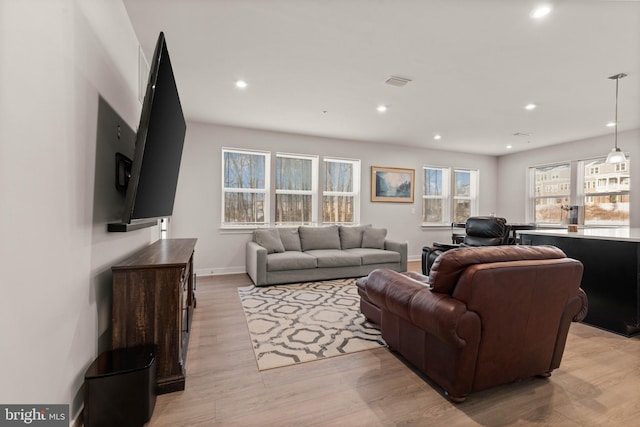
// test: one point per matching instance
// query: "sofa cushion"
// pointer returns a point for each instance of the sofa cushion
(375, 256)
(290, 260)
(269, 239)
(351, 236)
(290, 239)
(374, 238)
(319, 237)
(448, 267)
(335, 258)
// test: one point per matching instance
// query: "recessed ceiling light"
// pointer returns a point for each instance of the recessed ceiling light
(241, 84)
(611, 124)
(540, 12)
(530, 107)
(509, 147)
(437, 137)
(382, 108)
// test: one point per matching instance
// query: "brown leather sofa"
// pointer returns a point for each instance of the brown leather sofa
(484, 316)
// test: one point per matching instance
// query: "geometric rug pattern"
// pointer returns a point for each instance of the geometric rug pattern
(303, 322)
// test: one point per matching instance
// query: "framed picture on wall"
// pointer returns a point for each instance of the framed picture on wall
(392, 184)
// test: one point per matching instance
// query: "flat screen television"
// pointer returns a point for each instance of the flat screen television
(153, 178)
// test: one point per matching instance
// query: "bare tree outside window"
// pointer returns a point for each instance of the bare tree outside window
(435, 195)
(440, 204)
(464, 194)
(340, 191)
(245, 188)
(296, 189)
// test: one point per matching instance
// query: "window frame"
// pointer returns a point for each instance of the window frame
(578, 186)
(443, 197)
(532, 196)
(473, 191)
(449, 196)
(313, 192)
(355, 193)
(266, 190)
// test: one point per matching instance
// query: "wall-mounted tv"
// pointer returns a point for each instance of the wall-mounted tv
(152, 182)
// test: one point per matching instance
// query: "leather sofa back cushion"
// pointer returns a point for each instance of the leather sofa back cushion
(319, 237)
(448, 267)
(482, 226)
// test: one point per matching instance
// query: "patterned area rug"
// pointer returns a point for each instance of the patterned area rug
(308, 321)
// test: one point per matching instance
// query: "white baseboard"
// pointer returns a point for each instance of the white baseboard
(220, 271)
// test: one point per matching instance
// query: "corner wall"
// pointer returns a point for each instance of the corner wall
(198, 200)
(58, 58)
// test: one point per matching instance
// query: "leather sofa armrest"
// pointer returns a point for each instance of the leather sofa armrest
(256, 263)
(582, 296)
(401, 248)
(438, 314)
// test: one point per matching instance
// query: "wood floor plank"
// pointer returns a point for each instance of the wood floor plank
(597, 383)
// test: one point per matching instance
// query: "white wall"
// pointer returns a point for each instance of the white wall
(512, 170)
(57, 57)
(198, 200)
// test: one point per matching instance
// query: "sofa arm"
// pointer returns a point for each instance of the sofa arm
(256, 263)
(440, 315)
(401, 248)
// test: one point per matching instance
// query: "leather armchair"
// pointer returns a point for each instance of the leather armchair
(479, 231)
(484, 316)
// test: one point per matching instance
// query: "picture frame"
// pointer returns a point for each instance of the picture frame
(389, 184)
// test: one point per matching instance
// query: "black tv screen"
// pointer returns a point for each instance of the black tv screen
(159, 141)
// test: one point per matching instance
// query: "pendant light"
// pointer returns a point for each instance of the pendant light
(616, 155)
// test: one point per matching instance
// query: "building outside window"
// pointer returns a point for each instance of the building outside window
(606, 192)
(296, 189)
(600, 189)
(341, 191)
(245, 192)
(552, 185)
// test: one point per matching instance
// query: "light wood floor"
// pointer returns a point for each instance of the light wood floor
(598, 383)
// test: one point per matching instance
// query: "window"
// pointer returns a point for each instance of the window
(245, 192)
(606, 203)
(464, 194)
(296, 189)
(440, 205)
(601, 189)
(435, 196)
(551, 194)
(341, 191)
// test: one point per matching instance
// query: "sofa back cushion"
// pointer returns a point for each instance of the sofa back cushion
(290, 239)
(269, 239)
(351, 236)
(374, 238)
(448, 267)
(319, 237)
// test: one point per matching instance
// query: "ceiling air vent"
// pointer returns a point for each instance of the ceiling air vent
(397, 81)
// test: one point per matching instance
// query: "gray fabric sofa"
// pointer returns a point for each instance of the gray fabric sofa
(305, 253)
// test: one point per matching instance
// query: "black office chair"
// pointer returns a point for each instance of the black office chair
(480, 231)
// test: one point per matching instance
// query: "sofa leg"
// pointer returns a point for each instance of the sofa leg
(544, 375)
(455, 399)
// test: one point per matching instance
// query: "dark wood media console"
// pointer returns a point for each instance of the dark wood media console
(153, 301)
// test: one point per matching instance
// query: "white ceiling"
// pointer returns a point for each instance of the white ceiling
(474, 65)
